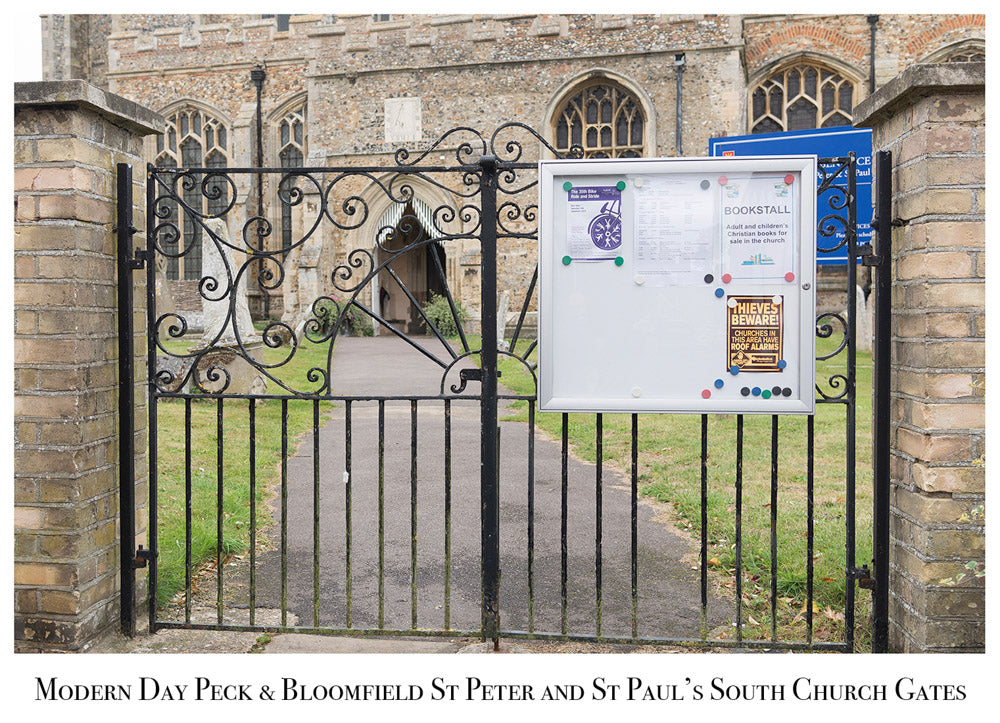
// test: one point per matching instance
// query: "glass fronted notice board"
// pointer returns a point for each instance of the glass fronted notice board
(677, 285)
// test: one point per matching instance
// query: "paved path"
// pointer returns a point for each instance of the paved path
(668, 587)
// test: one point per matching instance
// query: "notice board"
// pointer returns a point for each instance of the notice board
(677, 285)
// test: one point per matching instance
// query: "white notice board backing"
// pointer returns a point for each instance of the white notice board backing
(677, 285)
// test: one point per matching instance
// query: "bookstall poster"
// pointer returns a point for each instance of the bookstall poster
(758, 227)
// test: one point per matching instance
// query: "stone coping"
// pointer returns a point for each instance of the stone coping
(118, 110)
(915, 82)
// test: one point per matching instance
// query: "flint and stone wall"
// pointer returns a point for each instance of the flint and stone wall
(68, 136)
(932, 119)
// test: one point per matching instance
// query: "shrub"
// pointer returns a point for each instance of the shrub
(438, 310)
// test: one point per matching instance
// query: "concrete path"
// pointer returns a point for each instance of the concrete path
(668, 600)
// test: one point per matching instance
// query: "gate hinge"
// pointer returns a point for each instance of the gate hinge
(139, 260)
(862, 575)
(142, 557)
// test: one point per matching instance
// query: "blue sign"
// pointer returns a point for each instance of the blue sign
(824, 143)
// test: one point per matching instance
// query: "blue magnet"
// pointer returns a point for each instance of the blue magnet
(755, 391)
(734, 370)
(719, 383)
(719, 293)
(782, 364)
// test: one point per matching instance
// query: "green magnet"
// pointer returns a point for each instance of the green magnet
(766, 394)
(620, 185)
(566, 260)
(567, 186)
(619, 261)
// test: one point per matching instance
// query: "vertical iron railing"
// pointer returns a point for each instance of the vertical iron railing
(880, 398)
(489, 461)
(126, 398)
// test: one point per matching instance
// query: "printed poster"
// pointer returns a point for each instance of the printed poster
(754, 333)
(594, 223)
(759, 222)
(674, 229)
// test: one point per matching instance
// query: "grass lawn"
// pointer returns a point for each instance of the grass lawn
(670, 471)
(236, 512)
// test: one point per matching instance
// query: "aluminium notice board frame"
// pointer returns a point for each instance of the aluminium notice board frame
(677, 285)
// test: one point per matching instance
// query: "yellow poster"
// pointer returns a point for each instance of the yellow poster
(755, 333)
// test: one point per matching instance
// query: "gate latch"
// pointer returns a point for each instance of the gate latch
(474, 374)
(142, 557)
(863, 577)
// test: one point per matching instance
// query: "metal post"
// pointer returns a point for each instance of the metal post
(489, 462)
(126, 391)
(880, 401)
(257, 75)
(679, 64)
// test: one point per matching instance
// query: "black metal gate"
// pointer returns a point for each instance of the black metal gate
(210, 422)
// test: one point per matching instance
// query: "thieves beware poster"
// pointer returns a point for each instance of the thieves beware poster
(755, 332)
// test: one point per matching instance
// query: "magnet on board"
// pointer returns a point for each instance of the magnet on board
(755, 391)
(775, 391)
(705, 185)
(619, 261)
(726, 278)
(705, 393)
(719, 292)
(789, 276)
(567, 186)
(639, 279)
(636, 392)
(786, 392)
(782, 364)
(709, 278)
(719, 383)
(776, 300)
(620, 185)
(637, 182)
(566, 260)
(765, 394)
(789, 179)
(745, 391)
(723, 180)
(732, 303)
(734, 370)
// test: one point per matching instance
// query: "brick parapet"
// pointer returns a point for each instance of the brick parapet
(932, 119)
(68, 138)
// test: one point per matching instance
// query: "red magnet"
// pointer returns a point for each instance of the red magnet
(726, 278)
(705, 394)
(789, 179)
(789, 276)
(723, 180)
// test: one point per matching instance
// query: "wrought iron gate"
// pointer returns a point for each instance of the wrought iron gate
(204, 380)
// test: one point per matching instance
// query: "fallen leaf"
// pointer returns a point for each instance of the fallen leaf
(751, 620)
(714, 562)
(827, 579)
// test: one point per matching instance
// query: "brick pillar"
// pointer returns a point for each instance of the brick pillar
(68, 136)
(932, 118)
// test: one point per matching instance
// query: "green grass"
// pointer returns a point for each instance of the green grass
(236, 466)
(670, 472)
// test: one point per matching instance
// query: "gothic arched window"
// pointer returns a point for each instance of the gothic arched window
(291, 133)
(604, 118)
(799, 97)
(193, 139)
